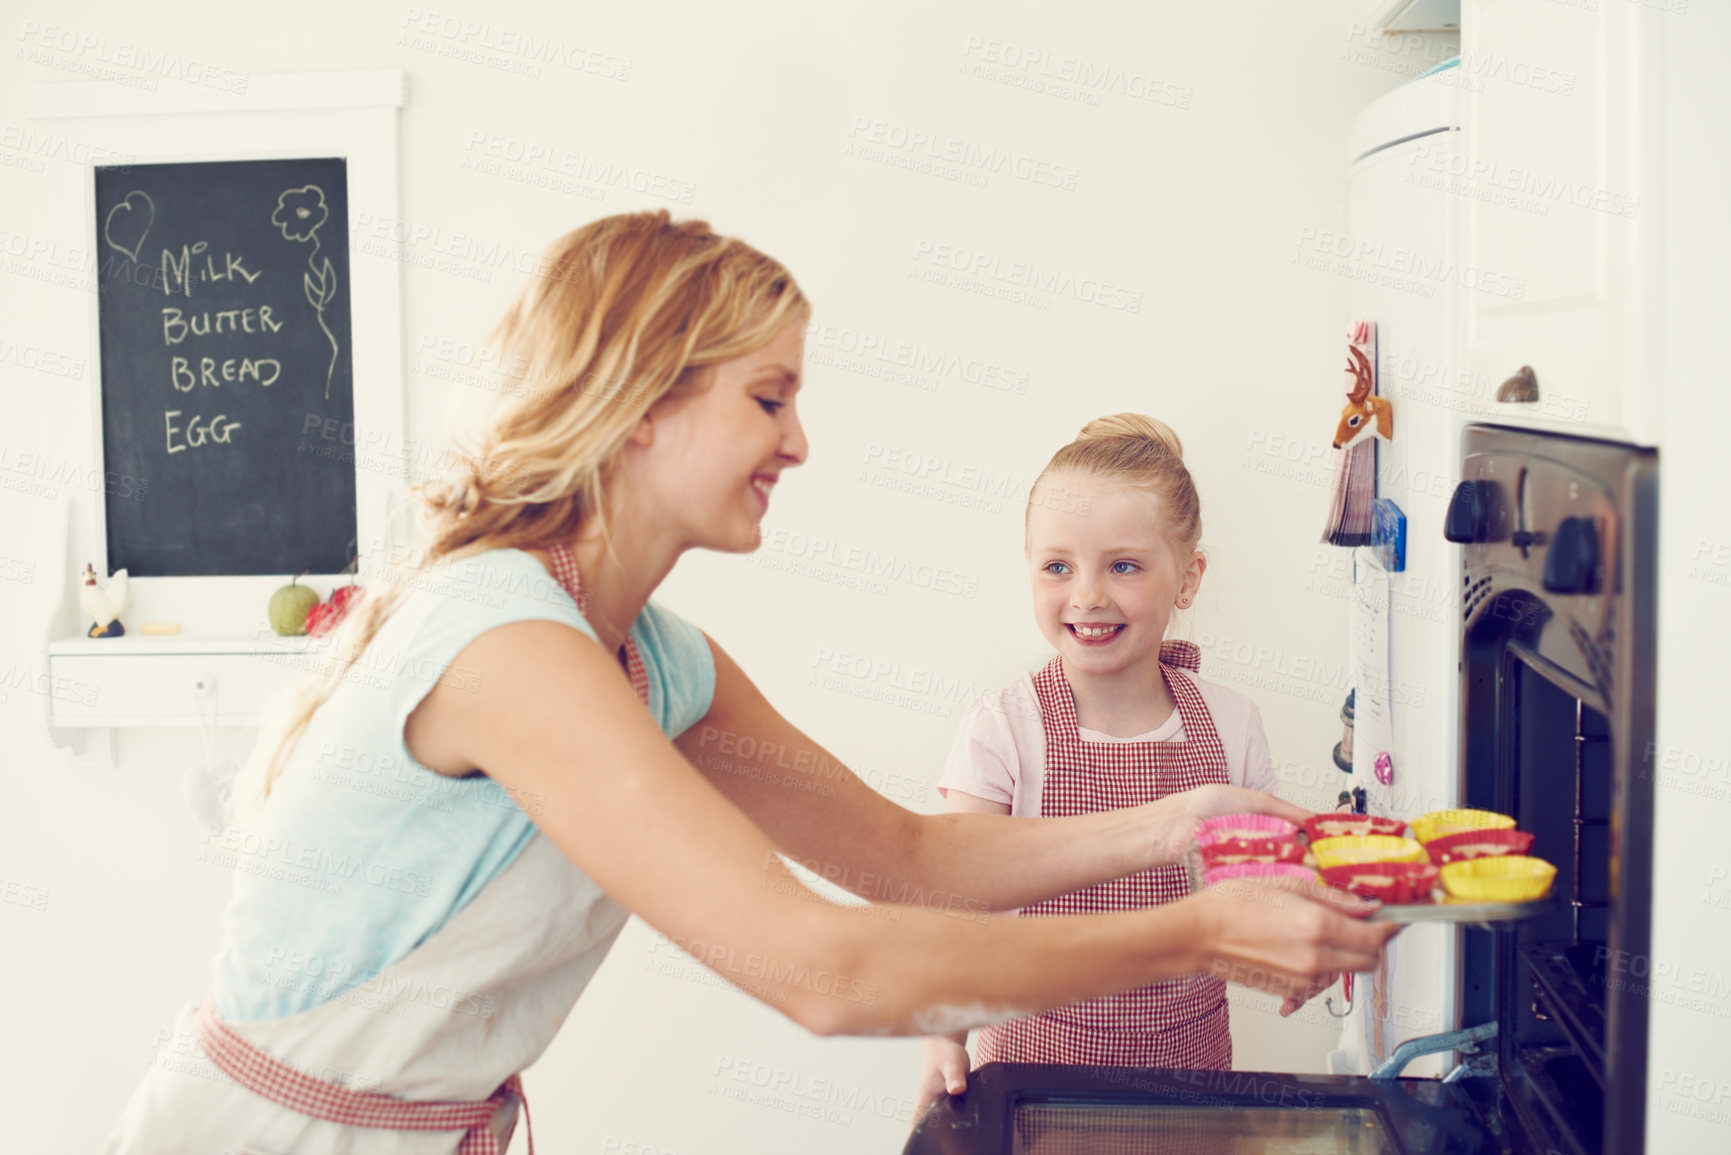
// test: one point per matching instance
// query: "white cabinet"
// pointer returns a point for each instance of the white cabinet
(1558, 182)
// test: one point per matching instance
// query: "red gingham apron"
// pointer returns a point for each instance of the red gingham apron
(285, 1086)
(1180, 1023)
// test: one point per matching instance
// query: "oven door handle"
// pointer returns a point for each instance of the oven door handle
(1466, 1042)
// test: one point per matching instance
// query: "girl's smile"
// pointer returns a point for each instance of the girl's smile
(1096, 633)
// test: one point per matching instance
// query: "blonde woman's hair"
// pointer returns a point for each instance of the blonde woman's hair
(621, 313)
(1135, 450)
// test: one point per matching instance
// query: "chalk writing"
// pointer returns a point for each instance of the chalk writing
(183, 269)
(198, 431)
(264, 370)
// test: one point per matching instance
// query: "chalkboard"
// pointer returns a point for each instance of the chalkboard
(225, 336)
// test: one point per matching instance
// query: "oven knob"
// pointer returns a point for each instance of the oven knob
(1469, 515)
(1572, 563)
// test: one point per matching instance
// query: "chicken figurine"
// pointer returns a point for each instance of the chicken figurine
(104, 602)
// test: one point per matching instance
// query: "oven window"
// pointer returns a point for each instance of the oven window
(1121, 1128)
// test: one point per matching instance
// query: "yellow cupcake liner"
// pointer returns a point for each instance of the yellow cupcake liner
(1440, 822)
(1358, 849)
(1507, 878)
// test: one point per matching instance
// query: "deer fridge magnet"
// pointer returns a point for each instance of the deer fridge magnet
(1365, 414)
(1366, 418)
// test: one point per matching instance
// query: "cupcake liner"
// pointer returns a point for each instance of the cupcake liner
(1392, 882)
(1258, 870)
(1466, 845)
(1353, 849)
(1233, 851)
(1438, 823)
(1244, 826)
(1506, 878)
(1320, 826)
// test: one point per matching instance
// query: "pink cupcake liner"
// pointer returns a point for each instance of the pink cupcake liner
(1258, 870)
(1228, 826)
(1236, 851)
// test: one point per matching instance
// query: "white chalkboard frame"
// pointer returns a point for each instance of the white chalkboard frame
(353, 115)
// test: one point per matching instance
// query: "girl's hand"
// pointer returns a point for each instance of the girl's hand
(943, 1071)
(1177, 817)
(1291, 938)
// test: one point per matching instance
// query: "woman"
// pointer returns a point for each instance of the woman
(562, 751)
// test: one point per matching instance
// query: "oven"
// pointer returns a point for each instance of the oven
(1557, 541)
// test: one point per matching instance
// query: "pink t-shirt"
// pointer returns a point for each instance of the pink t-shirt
(1000, 749)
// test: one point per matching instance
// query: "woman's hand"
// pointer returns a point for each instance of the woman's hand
(1175, 819)
(943, 1071)
(1288, 937)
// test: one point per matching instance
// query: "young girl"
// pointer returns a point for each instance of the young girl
(1119, 718)
(564, 752)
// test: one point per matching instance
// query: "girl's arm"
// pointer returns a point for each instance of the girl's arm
(550, 715)
(817, 811)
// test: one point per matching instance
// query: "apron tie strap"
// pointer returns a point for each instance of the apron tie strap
(565, 573)
(275, 1080)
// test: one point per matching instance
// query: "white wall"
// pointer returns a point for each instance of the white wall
(1688, 972)
(1194, 202)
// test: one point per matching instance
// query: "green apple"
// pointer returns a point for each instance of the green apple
(289, 607)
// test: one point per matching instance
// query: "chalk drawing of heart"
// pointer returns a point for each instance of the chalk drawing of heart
(135, 214)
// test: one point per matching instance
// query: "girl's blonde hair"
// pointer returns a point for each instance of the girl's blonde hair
(621, 313)
(1139, 451)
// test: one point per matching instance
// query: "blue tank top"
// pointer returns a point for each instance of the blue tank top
(361, 852)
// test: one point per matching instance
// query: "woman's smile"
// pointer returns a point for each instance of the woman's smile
(761, 483)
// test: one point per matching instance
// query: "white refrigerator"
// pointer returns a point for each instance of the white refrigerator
(1403, 232)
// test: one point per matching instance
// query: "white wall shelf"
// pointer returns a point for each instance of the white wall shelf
(178, 681)
(133, 646)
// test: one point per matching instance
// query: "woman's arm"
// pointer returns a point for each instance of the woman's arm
(550, 715)
(944, 1059)
(820, 813)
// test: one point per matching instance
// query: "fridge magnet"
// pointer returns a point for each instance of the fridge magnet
(1388, 535)
(1366, 418)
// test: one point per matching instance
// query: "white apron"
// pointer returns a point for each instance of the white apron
(474, 1004)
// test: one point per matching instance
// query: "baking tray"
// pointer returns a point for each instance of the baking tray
(1462, 910)
(1456, 910)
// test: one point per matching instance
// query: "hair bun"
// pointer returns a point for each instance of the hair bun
(1132, 426)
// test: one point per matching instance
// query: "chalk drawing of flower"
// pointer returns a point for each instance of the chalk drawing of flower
(300, 212)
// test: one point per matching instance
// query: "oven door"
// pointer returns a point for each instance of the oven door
(1039, 1109)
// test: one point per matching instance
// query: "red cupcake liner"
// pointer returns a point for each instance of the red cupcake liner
(1392, 882)
(1233, 851)
(1468, 844)
(1320, 826)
